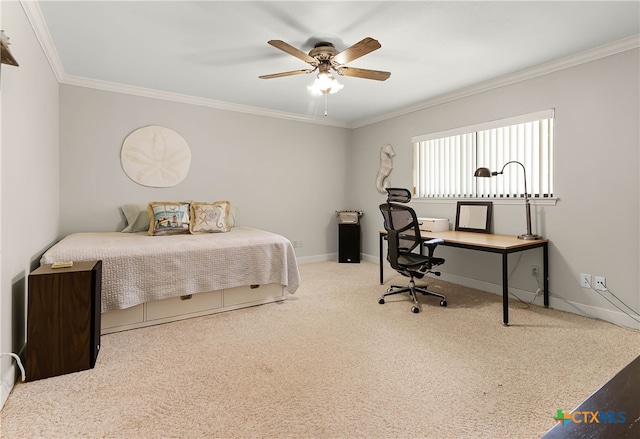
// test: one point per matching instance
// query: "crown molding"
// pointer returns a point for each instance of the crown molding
(586, 56)
(34, 15)
(39, 25)
(192, 100)
(36, 19)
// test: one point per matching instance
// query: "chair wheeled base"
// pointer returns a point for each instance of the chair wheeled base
(412, 289)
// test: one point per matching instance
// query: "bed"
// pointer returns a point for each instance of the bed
(153, 279)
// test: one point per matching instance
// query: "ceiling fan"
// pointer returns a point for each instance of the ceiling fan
(324, 57)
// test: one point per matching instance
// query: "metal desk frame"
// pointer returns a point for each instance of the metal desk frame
(487, 242)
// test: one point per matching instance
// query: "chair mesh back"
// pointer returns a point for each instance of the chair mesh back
(403, 230)
(398, 195)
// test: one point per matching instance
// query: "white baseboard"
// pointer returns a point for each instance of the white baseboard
(369, 258)
(555, 302)
(616, 317)
(317, 258)
(7, 383)
(8, 379)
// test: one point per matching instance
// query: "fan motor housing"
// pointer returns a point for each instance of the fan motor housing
(323, 50)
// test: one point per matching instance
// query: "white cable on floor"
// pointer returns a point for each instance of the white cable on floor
(17, 361)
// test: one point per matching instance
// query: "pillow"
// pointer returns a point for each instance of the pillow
(233, 215)
(136, 216)
(210, 217)
(168, 218)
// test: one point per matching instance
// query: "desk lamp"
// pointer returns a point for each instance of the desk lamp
(485, 172)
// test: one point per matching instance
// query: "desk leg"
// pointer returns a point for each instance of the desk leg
(505, 290)
(381, 270)
(545, 273)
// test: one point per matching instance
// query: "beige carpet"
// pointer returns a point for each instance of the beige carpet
(330, 362)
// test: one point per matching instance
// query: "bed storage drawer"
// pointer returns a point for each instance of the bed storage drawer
(185, 307)
(252, 293)
(122, 317)
(175, 306)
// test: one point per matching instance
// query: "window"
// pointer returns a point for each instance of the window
(444, 162)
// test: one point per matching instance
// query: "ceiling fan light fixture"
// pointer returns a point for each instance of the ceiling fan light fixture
(324, 84)
(324, 57)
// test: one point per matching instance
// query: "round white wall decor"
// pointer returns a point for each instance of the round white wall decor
(155, 156)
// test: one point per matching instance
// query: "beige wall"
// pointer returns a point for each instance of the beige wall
(30, 177)
(594, 228)
(284, 176)
(61, 174)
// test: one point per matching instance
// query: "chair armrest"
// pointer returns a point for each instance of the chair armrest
(431, 246)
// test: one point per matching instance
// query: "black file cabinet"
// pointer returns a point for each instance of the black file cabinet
(349, 243)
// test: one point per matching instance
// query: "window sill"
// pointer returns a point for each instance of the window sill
(533, 201)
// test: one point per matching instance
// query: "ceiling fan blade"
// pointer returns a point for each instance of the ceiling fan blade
(291, 73)
(285, 47)
(359, 49)
(378, 75)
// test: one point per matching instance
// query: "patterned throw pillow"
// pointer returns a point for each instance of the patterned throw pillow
(210, 217)
(168, 218)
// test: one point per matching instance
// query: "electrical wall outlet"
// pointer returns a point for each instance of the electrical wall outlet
(585, 280)
(601, 283)
(535, 270)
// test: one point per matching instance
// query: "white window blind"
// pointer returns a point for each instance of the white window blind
(444, 162)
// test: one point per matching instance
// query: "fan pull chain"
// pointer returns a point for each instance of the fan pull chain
(325, 105)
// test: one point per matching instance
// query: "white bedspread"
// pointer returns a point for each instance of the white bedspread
(138, 268)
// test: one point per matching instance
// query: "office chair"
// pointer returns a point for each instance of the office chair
(403, 237)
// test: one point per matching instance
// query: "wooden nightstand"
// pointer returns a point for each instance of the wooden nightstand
(63, 319)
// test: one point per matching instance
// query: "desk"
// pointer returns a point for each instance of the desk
(487, 242)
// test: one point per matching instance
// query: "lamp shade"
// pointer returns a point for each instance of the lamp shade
(482, 172)
(485, 172)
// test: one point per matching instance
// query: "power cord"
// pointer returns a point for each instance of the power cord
(599, 292)
(598, 318)
(582, 312)
(17, 361)
(535, 296)
(524, 302)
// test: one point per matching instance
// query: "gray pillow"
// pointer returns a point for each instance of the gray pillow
(137, 218)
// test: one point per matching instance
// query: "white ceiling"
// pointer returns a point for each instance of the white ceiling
(216, 50)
